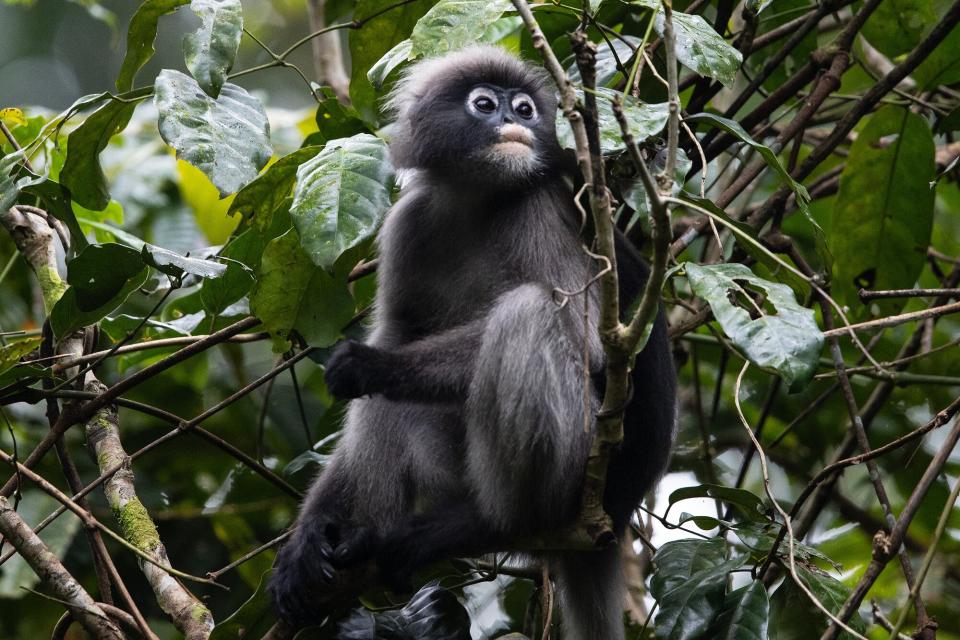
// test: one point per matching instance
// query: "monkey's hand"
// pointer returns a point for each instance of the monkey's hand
(306, 567)
(355, 369)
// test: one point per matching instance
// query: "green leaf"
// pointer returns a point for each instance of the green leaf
(883, 215)
(341, 196)
(392, 59)
(645, 120)
(746, 502)
(689, 584)
(334, 120)
(81, 172)
(606, 66)
(11, 353)
(453, 24)
(210, 50)
(292, 294)
(744, 615)
(259, 199)
(175, 265)
(369, 44)
(56, 200)
(10, 186)
(140, 37)
(101, 278)
(699, 47)
(792, 615)
(227, 138)
(897, 26)
(788, 341)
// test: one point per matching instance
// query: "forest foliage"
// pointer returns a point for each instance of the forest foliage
(188, 243)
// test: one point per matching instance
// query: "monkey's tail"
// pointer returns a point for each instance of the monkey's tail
(591, 587)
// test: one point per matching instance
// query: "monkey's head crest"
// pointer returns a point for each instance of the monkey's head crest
(479, 115)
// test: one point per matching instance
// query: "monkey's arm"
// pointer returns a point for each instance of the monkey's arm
(435, 368)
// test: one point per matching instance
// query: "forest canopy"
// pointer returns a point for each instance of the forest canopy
(182, 248)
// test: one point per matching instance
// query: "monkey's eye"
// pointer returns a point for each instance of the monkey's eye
(482, 100)
(523, 106)
(485, 104)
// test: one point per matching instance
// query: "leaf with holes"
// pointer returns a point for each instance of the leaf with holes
(883, 216)
(140, 37)
(210, 50)
(787, 341)
(699, 47)
(341, 196)
(227, 138)
(454, 24)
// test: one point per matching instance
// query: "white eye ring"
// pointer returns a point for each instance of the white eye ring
(523, 99)
(478, 95)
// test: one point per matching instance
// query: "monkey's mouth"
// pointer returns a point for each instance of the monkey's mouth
(515, 134)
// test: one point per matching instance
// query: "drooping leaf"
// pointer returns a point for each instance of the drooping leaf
(341, 196)
(210, 50)
(101, 277)
(883, 215)
(746, 502)
(175, 265)
(140, 37)
(645, 120)
(81, 172)
(260, 198)
(453, 24)
(227, 138)
(745, 614)
(792, 615)
(699, 47)
(369, 44)
(291, 293)
(788, 341)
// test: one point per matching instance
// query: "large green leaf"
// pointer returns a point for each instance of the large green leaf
(140, 37)
(376, 38)
(690, 580)
(454, 24)
(334, 120)
(101, 277)
(81, 171)
(291, 293)
(746, 502)
(645, 120)
(787, 341)
(745, 614)
(699, 47)
(227, 138)
(896, 26)
(341, 196)
(793, 615)
(883, 216)
(210, 50)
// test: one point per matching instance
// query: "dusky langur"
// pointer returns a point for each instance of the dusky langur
(468, 430)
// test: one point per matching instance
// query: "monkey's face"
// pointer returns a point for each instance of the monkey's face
(484, 133)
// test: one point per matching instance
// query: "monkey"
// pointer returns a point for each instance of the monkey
(474, 396)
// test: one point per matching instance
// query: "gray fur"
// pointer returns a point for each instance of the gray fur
(477, 412)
